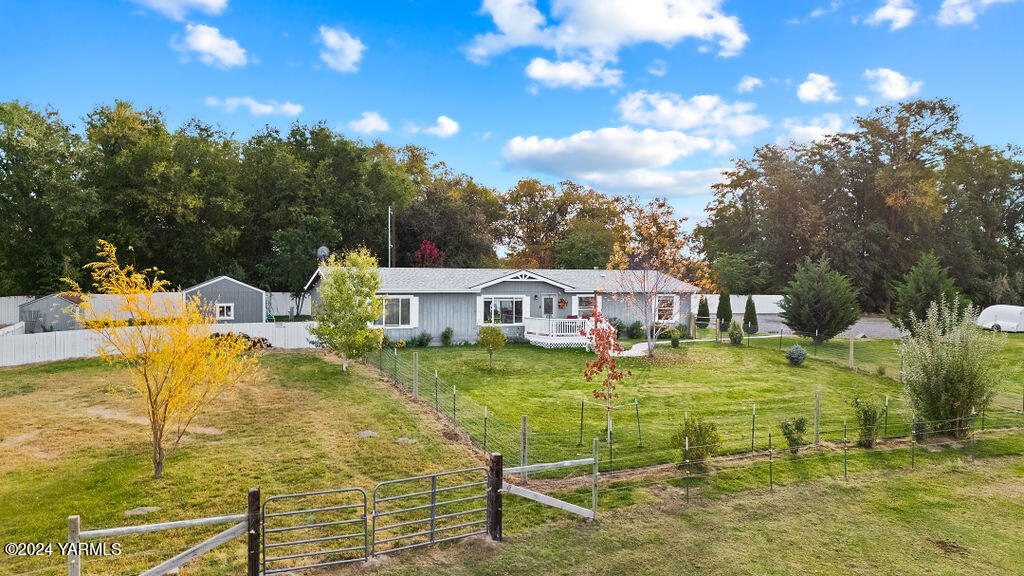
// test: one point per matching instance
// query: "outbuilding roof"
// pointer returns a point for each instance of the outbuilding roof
(419, 280)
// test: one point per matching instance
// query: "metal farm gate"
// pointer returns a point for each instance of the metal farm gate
(424, 510)
(314, 529)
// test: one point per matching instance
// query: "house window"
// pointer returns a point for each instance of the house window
(666, 308)
(225, 311)
(585, 305)
(397, 312)
(549, 305)
(503, 310)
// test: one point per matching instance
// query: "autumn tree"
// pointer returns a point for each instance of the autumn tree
(604, 341)
(176, 369)
(649, 262)
(428, 256)
(349, 305)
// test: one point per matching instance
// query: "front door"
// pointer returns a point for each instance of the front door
(549, 306)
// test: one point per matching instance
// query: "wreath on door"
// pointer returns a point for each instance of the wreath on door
(562, 303)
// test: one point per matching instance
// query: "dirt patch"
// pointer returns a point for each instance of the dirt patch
(949, 548)
(114, 414)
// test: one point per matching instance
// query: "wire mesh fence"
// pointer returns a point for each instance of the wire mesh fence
(633, 442)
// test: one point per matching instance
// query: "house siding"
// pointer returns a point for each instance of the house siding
(458, 310)
(248, 301)
(47, 314)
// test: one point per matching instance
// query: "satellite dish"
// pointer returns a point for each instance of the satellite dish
(322, 253)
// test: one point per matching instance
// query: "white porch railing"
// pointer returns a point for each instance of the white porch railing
(557, 327)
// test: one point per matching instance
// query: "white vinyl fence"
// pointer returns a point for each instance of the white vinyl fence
(19, 349)
(764, 303)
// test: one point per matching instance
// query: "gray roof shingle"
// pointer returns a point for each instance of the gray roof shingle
(416, 280)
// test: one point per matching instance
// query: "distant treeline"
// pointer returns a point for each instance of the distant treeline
(904, 182)
(196, 202)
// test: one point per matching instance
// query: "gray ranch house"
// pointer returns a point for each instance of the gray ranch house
(233, 301)
(546, 307)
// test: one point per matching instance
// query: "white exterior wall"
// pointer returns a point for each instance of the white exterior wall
(19, 349)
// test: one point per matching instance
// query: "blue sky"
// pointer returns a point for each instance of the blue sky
(643, 97)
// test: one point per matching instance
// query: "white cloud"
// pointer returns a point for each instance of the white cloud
(445, 127)
(213, 49)
(819, 12)
(748, 83)
(594, 32)
(803, 133)
(861, 100)
(707, 114)
(179, 9)
(955, 12)
(255, 107)
(891, 84)
(604, 150)
(817, 88)
(342, 51)
(572, 73)
(368, 123)
(655, 182)
(658, 68)
(898, 13)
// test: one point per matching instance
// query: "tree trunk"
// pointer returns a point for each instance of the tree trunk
(158, 456)
(608, 411)
(344, 364)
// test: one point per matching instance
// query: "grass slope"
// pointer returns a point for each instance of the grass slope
(68, 445)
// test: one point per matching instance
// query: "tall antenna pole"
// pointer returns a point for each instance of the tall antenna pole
(389, 236)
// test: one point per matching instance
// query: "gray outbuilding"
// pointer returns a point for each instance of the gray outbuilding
(232, 301)
(53, 312)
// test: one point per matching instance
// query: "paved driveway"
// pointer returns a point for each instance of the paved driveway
(872, 327)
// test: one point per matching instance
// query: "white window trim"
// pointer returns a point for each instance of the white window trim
(231, 304)
(576, 302)
(675, 307)
(414, 312)
(480, 308)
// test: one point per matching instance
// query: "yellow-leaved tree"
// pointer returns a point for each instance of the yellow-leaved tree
(164, 340)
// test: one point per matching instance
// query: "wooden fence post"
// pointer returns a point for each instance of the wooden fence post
(693, 326)
(74, 559)
(494, 482)
(817, 416)
(415, 374)
(522, 448)
(253, 519)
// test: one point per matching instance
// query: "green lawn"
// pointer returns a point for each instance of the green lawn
(68, 446)
(946, 517)
(715, 380)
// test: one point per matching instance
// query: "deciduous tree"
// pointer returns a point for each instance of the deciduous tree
(349, 305)
(605, 343)
(175, 367)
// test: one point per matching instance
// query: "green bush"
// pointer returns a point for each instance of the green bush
(491, 337)
(446, 336)
(673, 335)
(819, 302)
(621, 329)
(735, 333)
(793, 430)
(705, 440)
(703, 313)
(923, 284)
(867, 411)
(750, 317)
(796, 354)
(948, 367)
(724, 313)
(422, 340)
(636, 330)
